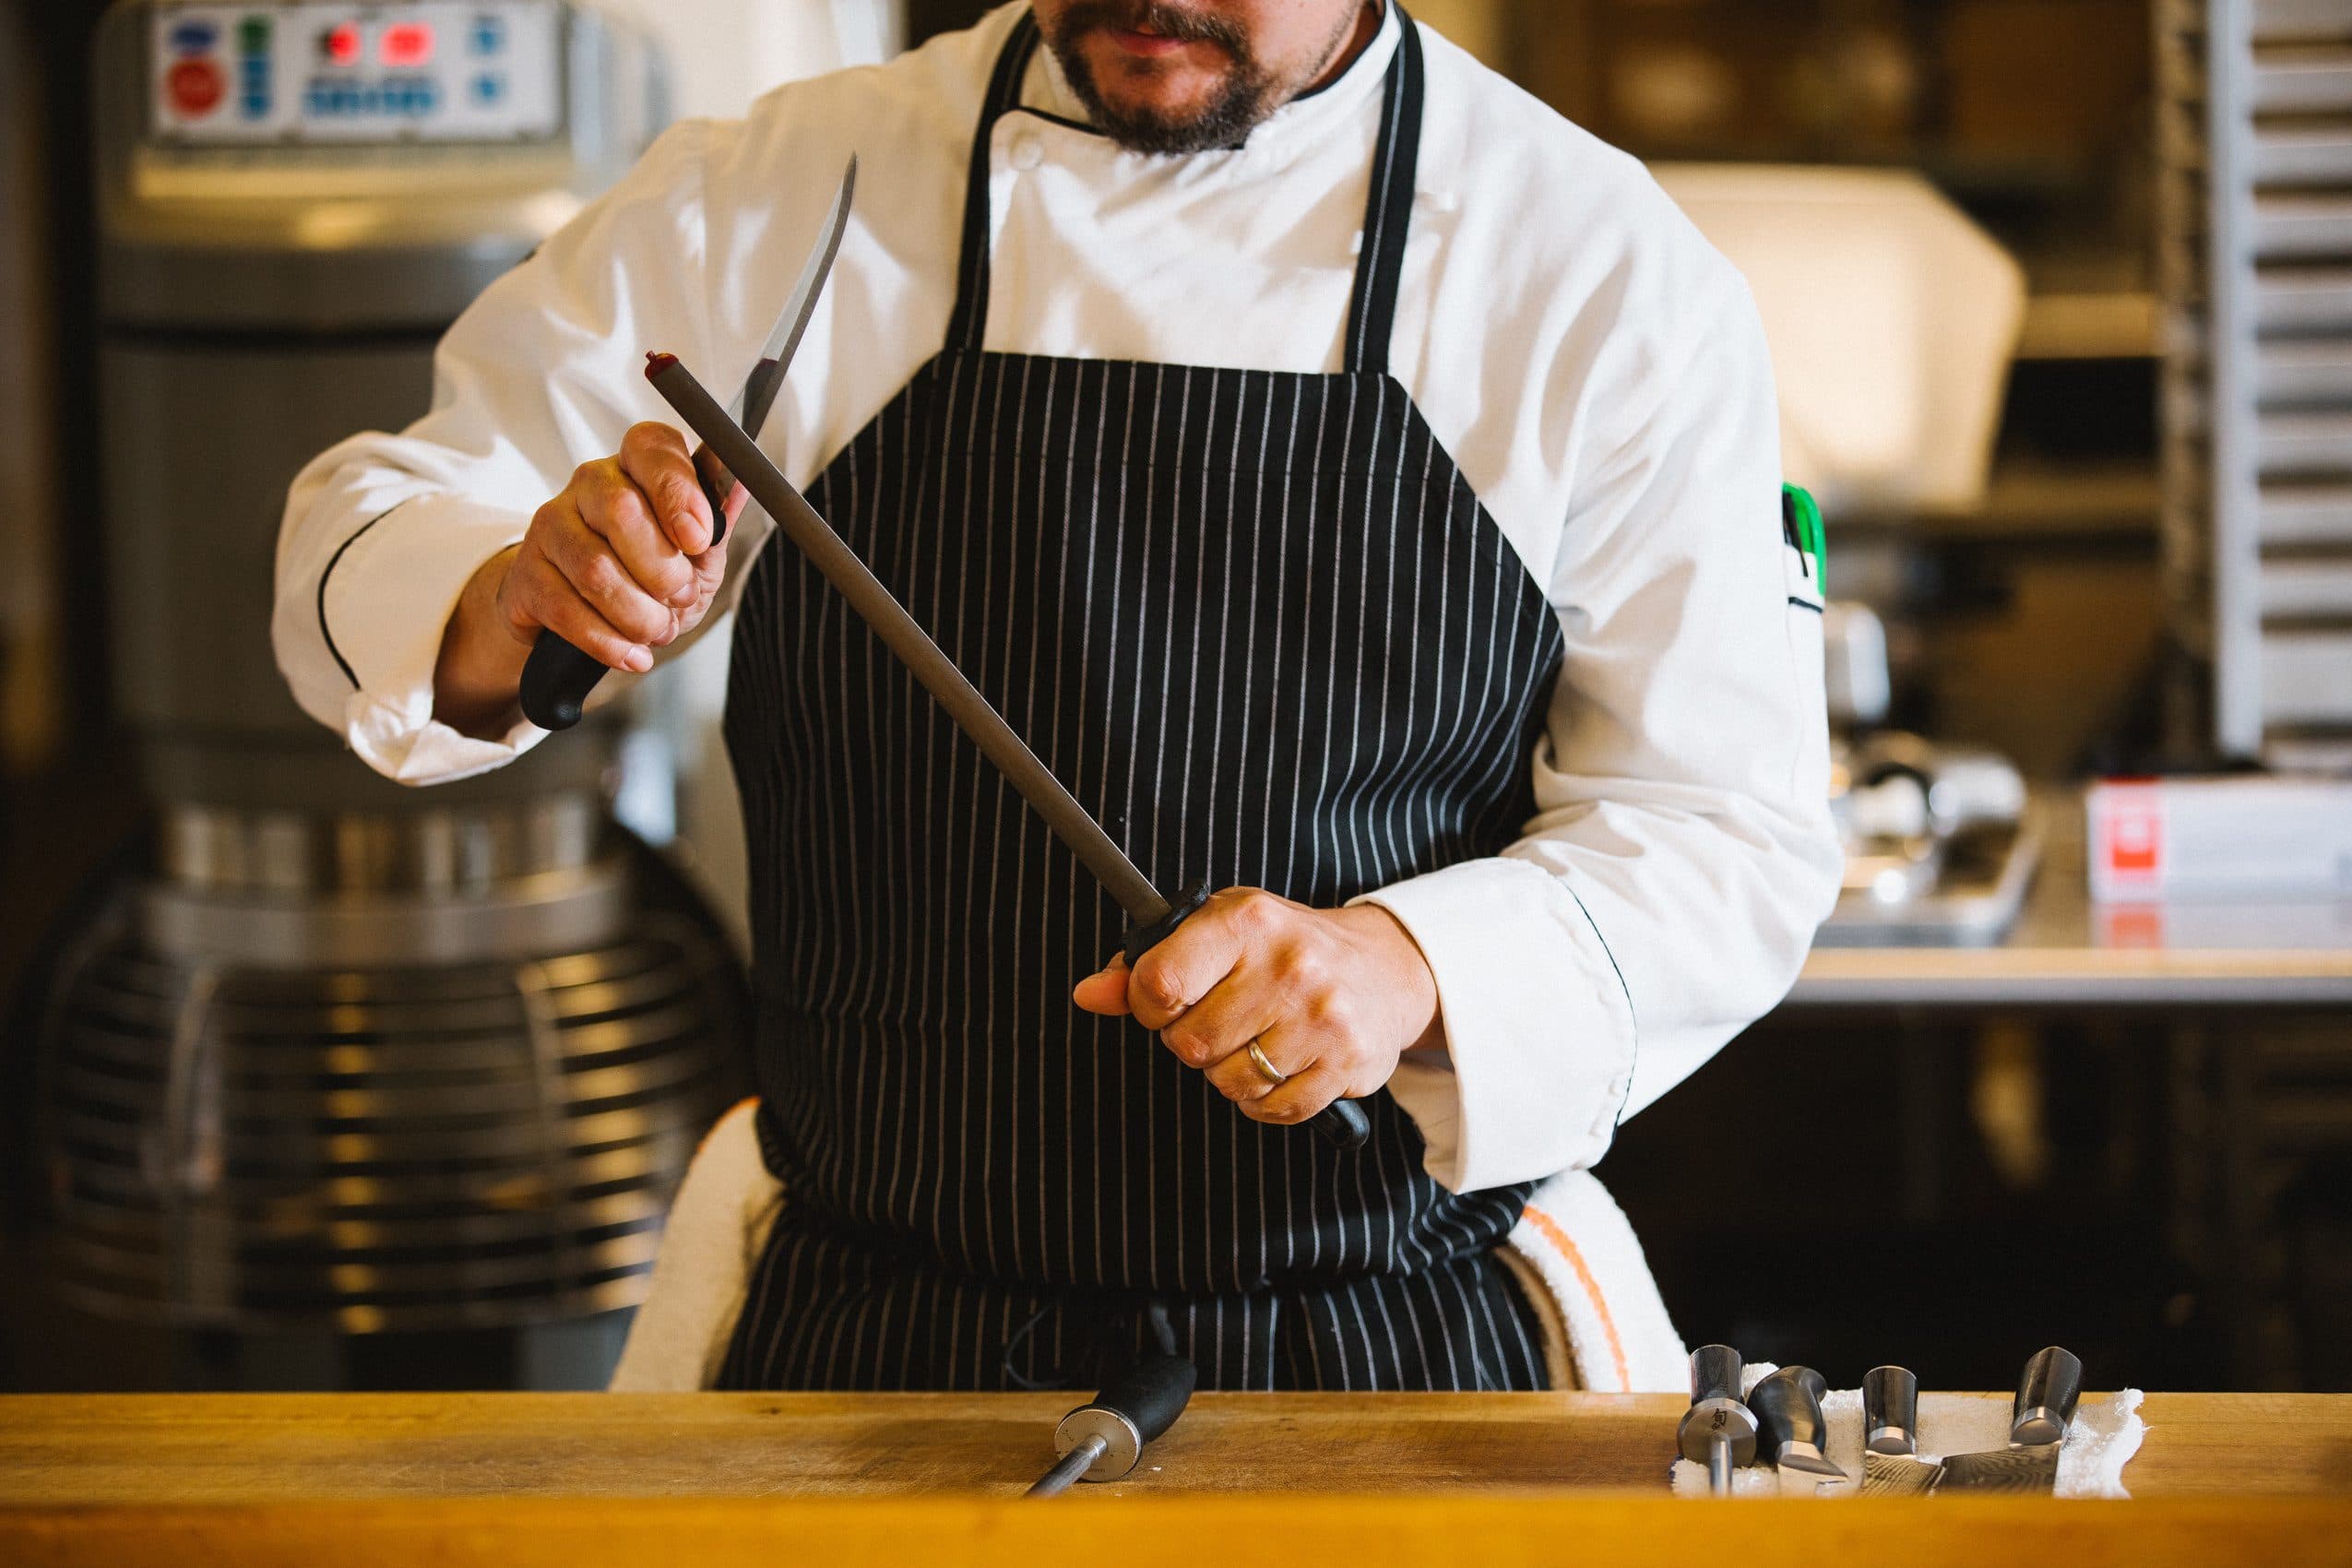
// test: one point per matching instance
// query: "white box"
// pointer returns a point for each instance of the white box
(2251, 839)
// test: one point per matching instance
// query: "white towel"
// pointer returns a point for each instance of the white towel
(717, 1225)
(1579, 1242)
(1606, 1330)
(2105, 1434)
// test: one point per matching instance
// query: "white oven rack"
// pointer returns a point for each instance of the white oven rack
(2255, 149)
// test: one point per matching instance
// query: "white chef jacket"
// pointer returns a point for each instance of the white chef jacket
(1597, 370)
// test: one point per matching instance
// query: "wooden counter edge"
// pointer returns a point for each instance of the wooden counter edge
(1491, 1530)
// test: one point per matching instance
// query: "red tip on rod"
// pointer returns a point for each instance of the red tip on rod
(656, 361)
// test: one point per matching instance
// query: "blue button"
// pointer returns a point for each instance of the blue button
(256, 106)
(195, 38)
(319, 100)
(490, 35)
(428, 95)
(488, 89)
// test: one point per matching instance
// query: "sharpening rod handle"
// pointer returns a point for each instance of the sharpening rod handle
(1152, 1394)
(1342, 1124)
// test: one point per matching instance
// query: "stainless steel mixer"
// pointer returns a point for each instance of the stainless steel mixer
(340, 1056)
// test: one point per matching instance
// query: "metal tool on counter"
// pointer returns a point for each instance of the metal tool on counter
(1788, 1408)
(2047, 1394)
(1104, 1440)
(1152, 917)
(1718, 1430)
(558, 677)
(1891, 1462)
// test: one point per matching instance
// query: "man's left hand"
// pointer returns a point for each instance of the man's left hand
(1332, 997)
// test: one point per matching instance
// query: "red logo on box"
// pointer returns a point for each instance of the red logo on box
(194, 88)
(2127, 841)
(2134, 840)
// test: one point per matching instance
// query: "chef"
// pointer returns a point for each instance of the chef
(1359, 484)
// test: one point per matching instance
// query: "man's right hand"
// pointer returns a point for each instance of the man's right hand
(619, 564)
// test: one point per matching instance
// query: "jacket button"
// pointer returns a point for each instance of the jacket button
(1027, 152)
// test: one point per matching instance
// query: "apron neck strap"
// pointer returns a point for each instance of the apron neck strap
(1388, 208)
(969, 324)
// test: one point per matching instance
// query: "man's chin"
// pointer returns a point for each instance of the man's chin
(1172, 113)
(1192, 101)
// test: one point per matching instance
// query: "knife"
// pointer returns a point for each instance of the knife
(1891, 1462)
(1787, 1405)
(1152, 917)
(2047, 1394)
(558, 677)
(1717, 1431)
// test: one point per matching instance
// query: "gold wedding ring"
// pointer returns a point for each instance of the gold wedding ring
(1266, 1070)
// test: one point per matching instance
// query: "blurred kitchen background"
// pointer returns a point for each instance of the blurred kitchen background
(306, 1083)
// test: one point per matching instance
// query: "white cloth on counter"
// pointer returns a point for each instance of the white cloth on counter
(717, 1228)
(1608, 1331)
(1597, 370)
(2105, 1434)
(1605, 1325)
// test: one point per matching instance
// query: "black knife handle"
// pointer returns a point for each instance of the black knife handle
(557, 677)
(2047, 1396)
(1890, 1410)
(1342, 1123)
(1718, 1428)
(1787, 1405)
(1715, 1373)
(1152, 1394)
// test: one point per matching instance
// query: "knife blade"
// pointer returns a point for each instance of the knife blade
(2048, 1392)
(558, 678)
(1788, 1406)
(1891, 1462)
(1152, 917)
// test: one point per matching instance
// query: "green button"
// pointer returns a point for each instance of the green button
(252, 35)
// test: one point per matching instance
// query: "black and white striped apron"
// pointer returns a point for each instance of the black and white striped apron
(1258, 622)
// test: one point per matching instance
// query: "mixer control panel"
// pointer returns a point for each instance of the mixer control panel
(405, 71)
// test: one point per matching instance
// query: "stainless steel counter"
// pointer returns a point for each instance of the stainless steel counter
(2067, 952)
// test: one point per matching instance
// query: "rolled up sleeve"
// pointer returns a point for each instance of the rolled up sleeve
(383, 600)
(1493, 1114)
(382, 531)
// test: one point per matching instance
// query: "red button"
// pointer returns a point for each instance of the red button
(406, 43)
(194, 88)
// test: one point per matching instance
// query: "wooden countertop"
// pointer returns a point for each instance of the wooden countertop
(717, 1479)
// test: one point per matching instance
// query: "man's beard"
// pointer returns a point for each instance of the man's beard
(1247, 96)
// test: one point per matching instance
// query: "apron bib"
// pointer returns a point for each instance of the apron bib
(1258, 622)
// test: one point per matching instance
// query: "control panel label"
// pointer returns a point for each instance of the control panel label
(310, 72)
